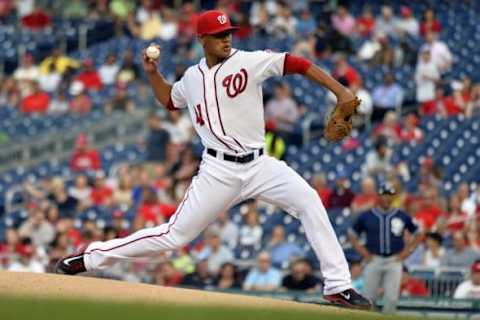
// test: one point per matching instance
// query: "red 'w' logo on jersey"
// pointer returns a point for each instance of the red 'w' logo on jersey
(235, 84)
(198, 115)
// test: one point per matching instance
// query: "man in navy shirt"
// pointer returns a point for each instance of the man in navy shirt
(385, 248)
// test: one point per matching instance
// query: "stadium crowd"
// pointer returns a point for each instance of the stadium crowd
(59, 211)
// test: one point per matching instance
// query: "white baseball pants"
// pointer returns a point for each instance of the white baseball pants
(218, 186)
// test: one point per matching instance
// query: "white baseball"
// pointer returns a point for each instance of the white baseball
(152, 52)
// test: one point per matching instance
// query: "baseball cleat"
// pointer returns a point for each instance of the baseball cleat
(71, 265)
(350, 299)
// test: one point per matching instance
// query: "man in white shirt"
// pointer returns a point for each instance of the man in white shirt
(407, 24)
(27, 69)
(470, 289)
(108, 71)
(427, 75)
(441, 55)
(282, 109)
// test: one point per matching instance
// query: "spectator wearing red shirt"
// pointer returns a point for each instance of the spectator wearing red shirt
(84, 158)
(430, 24)
(167, 275)
(411, 132)
(412, 287)
(319, 183)
(81, 102)
(187, 23)
(429, 209)
(89, 77)
(36, 20)
(366, 23)
(36, 102)
(101, 192)
(151, 211)
(455, 219)
(345, 73)
(367, 198)
(341, 196)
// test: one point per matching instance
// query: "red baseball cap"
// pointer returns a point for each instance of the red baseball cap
(212, 22)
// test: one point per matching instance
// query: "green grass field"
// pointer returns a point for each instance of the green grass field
(48, 309)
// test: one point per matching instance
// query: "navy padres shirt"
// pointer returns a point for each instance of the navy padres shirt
(384, 230)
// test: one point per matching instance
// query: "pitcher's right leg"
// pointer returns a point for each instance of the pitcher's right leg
(206, 197)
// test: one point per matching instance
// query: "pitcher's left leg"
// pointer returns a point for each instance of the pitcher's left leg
(275, 182)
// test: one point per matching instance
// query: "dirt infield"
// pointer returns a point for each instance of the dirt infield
(86, 288)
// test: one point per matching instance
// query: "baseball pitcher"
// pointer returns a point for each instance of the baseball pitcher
(223, 94)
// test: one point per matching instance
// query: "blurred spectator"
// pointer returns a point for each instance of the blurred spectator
(342, 196)
(407, 24)
(59, 103)
(167, 275)
(216, 253)
(410, 131)
(122, 195)
(251, 232)
(75, 9)
(284, 23)
(100, 10)
(356, 272)
(389, 130)
(460, 256)
(306, 24)
(157, 140)
(282, 110)
(121, 8)
(365, 109)
(319, 183)
(430, 208)
(84, 158)
(367, 198)
(411, 286)
(386, 23)
(24, 7)
(147, 24)
(152, 212)
(109, 69)
(6, 7)
(227, 229)
(343, 22)
(51, 80)
(387, 96)
(441, 55)
(473, 107)
(80, 102)
(470, 289)
(228, 277)
(9, 92)
(101, 192)
(37, 228)
(66, 204)
(434, 252)
(201, 278)
(281, 250)
(27, 260)
(89, 76)
(183, 261)
(378, 161)
(366, 22)
(430, 23)
(120, 101)
(345, 73)
(263, 277)
(443, 105)
(187, 21)
(471, 205)
(427, 75)
(27, 70)
(300, 277)
(377, 51)
(129, 71)
(80, 189)
(61, 63)
(36, 102)
(36, 20)
(455, 218)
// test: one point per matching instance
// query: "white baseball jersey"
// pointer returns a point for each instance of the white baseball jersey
(226, 106)
(226, 101)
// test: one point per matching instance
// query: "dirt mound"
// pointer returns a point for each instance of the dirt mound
(59, 286)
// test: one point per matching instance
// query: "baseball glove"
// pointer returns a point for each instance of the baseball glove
(339, 125)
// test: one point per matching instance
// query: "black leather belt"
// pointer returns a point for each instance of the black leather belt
(239, 159)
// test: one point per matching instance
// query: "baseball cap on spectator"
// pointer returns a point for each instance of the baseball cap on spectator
(117, 214)
(212, 22)
(405, 11)
(476, 266)
(386, 189)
